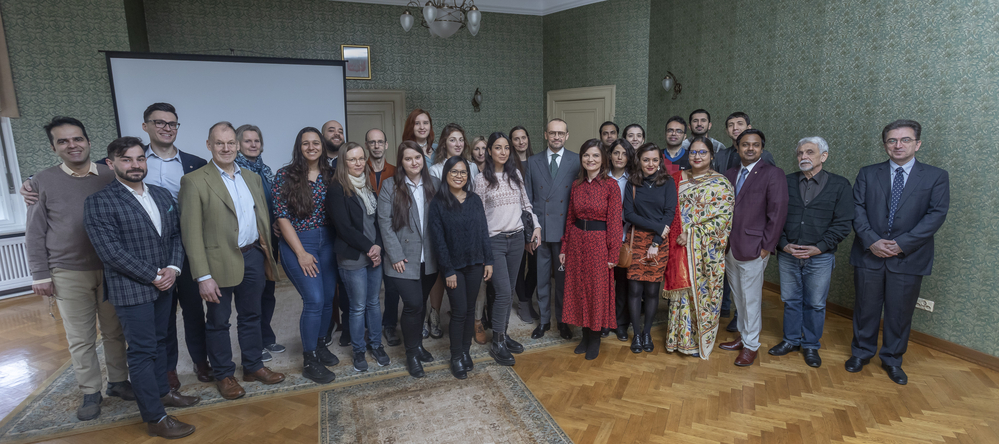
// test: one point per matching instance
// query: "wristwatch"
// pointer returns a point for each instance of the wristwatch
(655, 245)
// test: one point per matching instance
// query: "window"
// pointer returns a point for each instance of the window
(12, 209)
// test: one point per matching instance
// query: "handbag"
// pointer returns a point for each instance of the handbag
(527, 220)
(624, 254)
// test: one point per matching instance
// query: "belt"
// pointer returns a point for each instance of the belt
(591, 225)
(511, 233)
(255, 244)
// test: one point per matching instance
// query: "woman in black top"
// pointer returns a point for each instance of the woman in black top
(649, 205)
(457, 226)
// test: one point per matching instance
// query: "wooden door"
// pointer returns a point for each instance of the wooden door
(583, 110)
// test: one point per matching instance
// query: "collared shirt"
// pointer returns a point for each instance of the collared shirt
(91, 172)
(242, 201)
(146, 201)
(164, 172)
(420, 200)
(906, 169)
(558, 161)
(809, 188)
(749, 168)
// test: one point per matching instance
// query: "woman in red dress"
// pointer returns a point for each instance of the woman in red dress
(590, 249)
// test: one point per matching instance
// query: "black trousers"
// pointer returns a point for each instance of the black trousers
(390, 317)
(621, 297)
(246, 296)
(145, 328)
(414, 294)
(186, 294)
(267, 303)
(894, 293)
(462, 299)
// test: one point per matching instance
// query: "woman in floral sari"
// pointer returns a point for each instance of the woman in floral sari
(696, 269)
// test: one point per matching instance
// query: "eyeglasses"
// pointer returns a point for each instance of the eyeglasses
(163, 123)
(904, 140)
(356, 161)
(375, 143)
(458, 173)
(675, 131)
(699, 153)
(558, 134)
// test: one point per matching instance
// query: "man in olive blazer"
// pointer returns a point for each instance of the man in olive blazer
(224, 223)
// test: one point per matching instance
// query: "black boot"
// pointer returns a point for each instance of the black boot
(498, 350)
(584, 342)
(593, 346)
(325, 355)
(457, 368)
(513, 346)
(314, 370)
(424, 355)
(466, 360)
(414, 366)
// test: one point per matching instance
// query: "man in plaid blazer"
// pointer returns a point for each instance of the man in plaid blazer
(135, 229)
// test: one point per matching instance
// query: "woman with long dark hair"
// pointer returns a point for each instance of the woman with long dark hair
(306, 247)
(419, 128)
(457, 224)
(649, 205)
(504, 198)
(622, 162)
(402, 217)
(590, 248)
(351, 204)
(527, 276)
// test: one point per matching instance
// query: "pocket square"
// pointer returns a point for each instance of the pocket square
(170, 209)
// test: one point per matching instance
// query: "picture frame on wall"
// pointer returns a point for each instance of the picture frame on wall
(358, 58)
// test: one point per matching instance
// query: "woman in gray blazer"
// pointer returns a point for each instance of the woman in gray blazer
(402, 217)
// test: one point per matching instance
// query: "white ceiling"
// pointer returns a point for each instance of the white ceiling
(524, 7)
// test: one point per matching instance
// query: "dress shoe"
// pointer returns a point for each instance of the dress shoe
(604, 332)
(733, 325)
(229, 388)
(732, 345)
(467, 362)
(204, 371)
(637, 344)
(746, 357)
(855, 364)
(896, 374)
(564, 331)
(121, 389)
(539, 331)
(524, 313)
(414, 366)
(514, 346)
(265, 376)
(480, 333)
(647, 345)
(175, 399)
(91, 407)
(172, 380)
(424, 355)
(169, 427)
(783, 348)
(622, 334)
(458, 369)
(498, 350)
(314, 370)
(325, 355)
(391, 337)
(811, 357)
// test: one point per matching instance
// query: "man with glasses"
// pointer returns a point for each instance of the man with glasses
(548, 182)
(900, 204)
(378, 171)
(675, 155)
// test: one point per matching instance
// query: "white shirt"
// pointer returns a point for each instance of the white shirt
(749, 168)
(416, 189)
(164, 173)
(906, 169)
(558, 161)
(146, 201)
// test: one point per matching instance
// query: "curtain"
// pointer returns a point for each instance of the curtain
(8, 100)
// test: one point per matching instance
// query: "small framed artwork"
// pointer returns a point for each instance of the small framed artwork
(358, 60)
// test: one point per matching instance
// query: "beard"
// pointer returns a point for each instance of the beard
(123, 175)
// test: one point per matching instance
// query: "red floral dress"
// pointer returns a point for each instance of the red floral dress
(589, 284)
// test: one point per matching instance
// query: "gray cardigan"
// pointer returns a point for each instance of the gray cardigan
(409, 241)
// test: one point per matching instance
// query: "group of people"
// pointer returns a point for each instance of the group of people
(601, 235)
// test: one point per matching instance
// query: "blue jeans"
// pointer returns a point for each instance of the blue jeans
(317, 292)
(145, 327)
(363, 286)
(804, 287)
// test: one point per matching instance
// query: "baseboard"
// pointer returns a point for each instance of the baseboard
(941, 345)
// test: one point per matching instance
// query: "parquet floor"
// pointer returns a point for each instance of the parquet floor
(621, 397)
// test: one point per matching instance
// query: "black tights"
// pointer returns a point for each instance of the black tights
(637, 290)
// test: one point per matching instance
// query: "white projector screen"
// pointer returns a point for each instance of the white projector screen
(281, 96)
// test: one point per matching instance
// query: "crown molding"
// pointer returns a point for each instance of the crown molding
(521, 7)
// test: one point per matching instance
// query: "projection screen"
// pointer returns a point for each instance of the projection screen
(281, 96)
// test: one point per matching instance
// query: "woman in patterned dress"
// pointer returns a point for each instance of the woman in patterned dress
(590, 249)
(696, 270)
(649, 205)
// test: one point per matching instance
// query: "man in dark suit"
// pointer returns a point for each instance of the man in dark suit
(757, 222)
(549, 179)
(135, 230)
(900, 205)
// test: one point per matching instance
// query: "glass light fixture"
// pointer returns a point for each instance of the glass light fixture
(444, 17)
(671, 84)
(407, 21)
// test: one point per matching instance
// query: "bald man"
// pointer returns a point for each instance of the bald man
(333, 133)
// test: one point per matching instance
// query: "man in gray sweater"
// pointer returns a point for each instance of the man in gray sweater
(65, 266)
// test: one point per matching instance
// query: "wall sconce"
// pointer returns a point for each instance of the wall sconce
(477, 99)
(670, 83)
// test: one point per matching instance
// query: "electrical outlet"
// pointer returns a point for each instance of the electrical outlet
(924, 304)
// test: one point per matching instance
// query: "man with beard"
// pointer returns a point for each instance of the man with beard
(135, 230)
(608, 134)
(675, 155)
(819, 216)
(379, 170)
(333, 135)
(700, 124)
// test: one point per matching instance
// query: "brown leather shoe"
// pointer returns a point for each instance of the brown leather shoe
(175, 399)
(480, 333)
(230, 389)
(204, 371)
(746, 357)
(264, 375)
(173, 380)
(169, 427)
(733, 345)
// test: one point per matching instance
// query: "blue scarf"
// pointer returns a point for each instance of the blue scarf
(257, 166)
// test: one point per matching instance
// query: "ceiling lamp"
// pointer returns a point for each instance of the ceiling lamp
(444, 17)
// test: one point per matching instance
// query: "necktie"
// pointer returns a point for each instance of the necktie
(742, 180)
(896, 192)
(553, 168)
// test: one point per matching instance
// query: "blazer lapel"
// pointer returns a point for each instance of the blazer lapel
(545, 168)
(414, 212)
(911, 183)
(164, 207)
(214, 180)
(750, 179)
(884, 181)
(131, 201)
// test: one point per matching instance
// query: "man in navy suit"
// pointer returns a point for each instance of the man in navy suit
(135, 230)
(900, 205)
(757, 222)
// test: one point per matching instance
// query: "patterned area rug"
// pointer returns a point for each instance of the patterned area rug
(492, 405)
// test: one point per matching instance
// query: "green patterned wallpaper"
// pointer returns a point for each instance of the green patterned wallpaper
(438, 75)
(605, 43)
(57, 70)
(842, 70)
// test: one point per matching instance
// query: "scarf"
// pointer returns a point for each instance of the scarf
(361, 188)
(257, 166)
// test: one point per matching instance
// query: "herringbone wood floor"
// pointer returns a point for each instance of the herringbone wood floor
(622, 397)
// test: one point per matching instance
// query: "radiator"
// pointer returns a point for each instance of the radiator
(14, 272)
